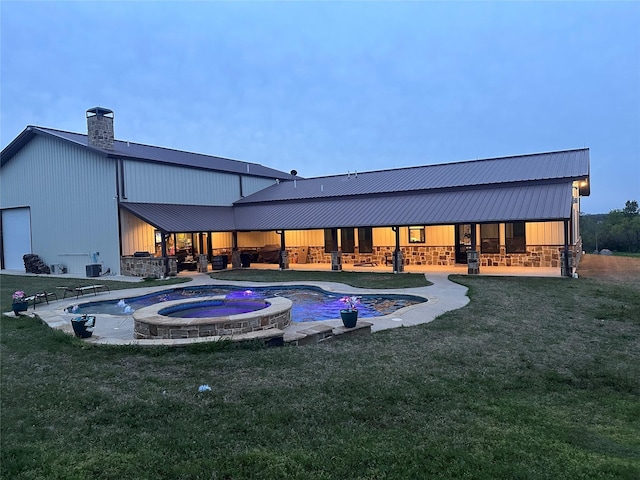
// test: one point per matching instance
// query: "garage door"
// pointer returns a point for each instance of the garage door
(16, 237)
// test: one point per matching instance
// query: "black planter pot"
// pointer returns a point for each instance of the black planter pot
(83, 326)
(349, 318)
(19, 307)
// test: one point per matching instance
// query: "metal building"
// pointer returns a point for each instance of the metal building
(78, 199)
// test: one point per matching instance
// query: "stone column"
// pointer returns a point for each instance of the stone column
(336, 261)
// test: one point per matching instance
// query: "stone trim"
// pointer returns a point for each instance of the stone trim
(535, 256)
(149, 324)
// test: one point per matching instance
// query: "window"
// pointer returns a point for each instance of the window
(347, 240)
(514, 237)
(365, 240)
(490, 238)
(416, 234)
(330, 240)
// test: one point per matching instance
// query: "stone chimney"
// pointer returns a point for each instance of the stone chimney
(100, 128)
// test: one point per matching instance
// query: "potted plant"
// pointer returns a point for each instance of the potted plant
(349, 314)
(83, 326)
(19, 304)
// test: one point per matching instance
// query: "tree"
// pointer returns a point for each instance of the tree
(618, 230)
(631, 208)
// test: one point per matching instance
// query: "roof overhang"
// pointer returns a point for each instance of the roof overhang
(183, 218)
(542, 202)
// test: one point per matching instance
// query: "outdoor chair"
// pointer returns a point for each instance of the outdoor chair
(40, 297)
(78, 291)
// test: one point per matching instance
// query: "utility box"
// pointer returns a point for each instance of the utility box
(473, 262)
(58, 268)
(94, 270)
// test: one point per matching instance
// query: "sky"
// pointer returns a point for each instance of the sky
(334, 87)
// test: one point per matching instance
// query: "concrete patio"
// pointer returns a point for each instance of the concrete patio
(442, 296)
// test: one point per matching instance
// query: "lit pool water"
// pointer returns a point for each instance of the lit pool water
(309, 303)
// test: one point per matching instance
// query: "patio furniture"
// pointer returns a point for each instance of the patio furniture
(78, 291)
(39, 297)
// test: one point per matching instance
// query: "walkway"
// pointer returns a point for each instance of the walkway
(443, 296)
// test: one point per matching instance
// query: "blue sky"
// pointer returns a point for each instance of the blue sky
(330, 87)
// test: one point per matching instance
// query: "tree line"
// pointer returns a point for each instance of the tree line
(618, 230)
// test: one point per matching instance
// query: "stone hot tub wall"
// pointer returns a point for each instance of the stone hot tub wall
(149, 324)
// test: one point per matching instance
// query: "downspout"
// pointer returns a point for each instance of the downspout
(567, 271)
(119, 217)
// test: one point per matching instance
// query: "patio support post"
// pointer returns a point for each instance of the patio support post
(163, 247)
(209, 247)
(284, 256)
(236, 262)
(398, 261)
(473, 262)
(336, 255)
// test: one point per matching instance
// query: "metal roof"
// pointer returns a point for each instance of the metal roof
(148, 153)
(183, 218)
(567, 164)
(548, 201)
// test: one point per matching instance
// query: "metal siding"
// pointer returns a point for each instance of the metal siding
(71, 194)
(221, 240)
(251, 185)
(157, 183)
(439, 235)
(544, 233)
(137, 235)
(168, 156)
(258, 239)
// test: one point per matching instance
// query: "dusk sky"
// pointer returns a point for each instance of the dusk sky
(330, 87)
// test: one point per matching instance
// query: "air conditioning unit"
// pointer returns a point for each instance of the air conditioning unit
(58, 268)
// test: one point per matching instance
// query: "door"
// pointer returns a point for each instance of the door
(16, 237)
(462, 241)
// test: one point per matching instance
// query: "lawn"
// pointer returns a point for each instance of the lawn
(535, 378)
(356, 279)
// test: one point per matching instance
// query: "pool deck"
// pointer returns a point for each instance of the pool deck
(443, 296)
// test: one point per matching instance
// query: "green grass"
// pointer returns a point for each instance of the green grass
(355, 279)
(31, 284)
(627, 254)
(534, 379)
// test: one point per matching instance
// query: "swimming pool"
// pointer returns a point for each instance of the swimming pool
(309, 303)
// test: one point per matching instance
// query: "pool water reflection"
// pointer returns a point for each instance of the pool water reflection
(309, 303)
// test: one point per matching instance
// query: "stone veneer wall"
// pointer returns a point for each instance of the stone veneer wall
(536, 256)
(383, 256)
(148, 267)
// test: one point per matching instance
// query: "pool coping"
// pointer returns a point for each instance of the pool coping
(442, 295)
